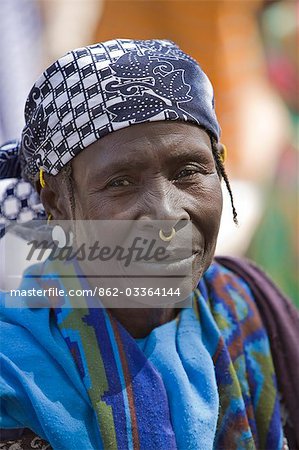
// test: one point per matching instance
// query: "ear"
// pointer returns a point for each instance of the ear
(54, 198)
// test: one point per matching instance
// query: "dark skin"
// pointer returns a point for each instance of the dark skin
(152, 171)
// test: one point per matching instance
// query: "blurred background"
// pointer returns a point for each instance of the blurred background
(249, 50)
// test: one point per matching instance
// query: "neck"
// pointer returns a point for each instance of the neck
(139, 322)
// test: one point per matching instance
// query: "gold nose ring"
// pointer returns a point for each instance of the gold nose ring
(166, 238)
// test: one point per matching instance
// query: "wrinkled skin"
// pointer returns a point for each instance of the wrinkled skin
(152, 171)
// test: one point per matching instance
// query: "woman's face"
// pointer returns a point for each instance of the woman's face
(154, 171)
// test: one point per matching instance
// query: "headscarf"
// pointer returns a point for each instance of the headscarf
(95, 90)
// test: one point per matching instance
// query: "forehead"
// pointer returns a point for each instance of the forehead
(166, 141)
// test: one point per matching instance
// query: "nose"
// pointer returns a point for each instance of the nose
(164, 209)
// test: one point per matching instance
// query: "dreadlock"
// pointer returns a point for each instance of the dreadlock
(222, 173)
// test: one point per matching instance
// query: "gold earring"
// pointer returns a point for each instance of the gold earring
(41, 178)
(49, 218)
(223, 155)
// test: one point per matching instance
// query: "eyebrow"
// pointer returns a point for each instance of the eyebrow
(191, 153)
(114, 168)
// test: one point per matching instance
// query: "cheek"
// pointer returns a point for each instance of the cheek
(100, 207)
(207, 205)
(214, 205)
(207, 223)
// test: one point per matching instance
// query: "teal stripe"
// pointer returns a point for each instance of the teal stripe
(122, 380)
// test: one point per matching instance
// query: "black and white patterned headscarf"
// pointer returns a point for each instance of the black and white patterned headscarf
(95, 90)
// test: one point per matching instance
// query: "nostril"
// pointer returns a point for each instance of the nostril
(181, 224)
(145, 224)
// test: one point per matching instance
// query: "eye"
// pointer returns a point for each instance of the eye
(119, 182)
(187, 172)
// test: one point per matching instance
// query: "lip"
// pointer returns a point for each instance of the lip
(173, 257)
(178, 266)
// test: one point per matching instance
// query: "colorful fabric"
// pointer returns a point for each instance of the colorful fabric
(117, 395)
(184, 381)
(95, 90)
(281, 320)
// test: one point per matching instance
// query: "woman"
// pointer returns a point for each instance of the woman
(126, 131)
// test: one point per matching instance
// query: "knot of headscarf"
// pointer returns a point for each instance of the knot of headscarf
(10, 166)
(18, 199)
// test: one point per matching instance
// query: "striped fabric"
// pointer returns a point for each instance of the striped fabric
(129, 396)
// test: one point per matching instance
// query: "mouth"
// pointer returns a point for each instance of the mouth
(172, 266)
(174, 256)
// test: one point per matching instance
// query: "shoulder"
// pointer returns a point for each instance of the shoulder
(28, 327)
(240, 287)
(34, 355)
(26, 306)
(232, 301)
(226, 285)
(236, 281)
(239, 277)
(24, 332)
(17, 313)
(271, 302)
